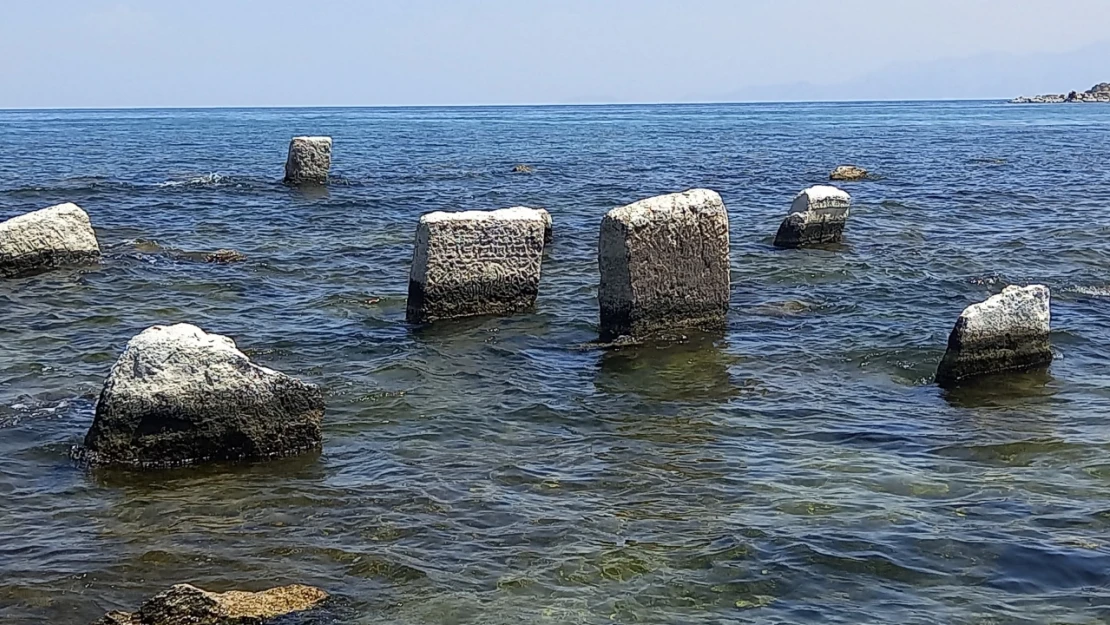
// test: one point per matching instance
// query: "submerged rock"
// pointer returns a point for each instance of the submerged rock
(185, 604)
(178, 395)
(475, 263)
(224, 256)
(1007, 332)
(817, 216)
(664, 265)
(849, 173)
(47, 239)
(309, 160)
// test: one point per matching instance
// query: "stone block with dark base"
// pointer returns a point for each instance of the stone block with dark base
(1007, 332)
(309, 160)
(475, 263)
(817, 217)
(179, 396)
(664, 265)
(47, 239)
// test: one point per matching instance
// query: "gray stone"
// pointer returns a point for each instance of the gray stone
(817, 216)
(848, 173)
(185, 604)
(180, 396)
(547, 225)
(664, 265)
(47, 239)
(475, 263)
(1008, 332)
(309, 160)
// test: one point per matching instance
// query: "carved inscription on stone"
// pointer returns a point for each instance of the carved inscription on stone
(475, 263)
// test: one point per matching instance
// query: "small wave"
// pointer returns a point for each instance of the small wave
(30, 408)
(207, 180)
(1093, 291)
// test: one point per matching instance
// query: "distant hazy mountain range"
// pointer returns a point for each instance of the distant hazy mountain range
(987, 76)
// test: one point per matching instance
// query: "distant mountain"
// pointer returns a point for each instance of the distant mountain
(985, 76)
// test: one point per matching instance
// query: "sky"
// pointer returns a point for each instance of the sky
(132, 53)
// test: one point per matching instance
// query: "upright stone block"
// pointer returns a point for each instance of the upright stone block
(475, 263)
(1008, 332)
(46, 239)
(309, 160)
(817, 216)
(664, 265)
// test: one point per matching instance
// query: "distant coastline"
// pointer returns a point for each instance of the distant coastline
(1100, 93)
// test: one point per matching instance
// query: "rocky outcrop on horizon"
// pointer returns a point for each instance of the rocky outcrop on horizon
(1099, 93)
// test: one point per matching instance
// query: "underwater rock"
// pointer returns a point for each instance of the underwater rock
(223, 257)
(664, 265)
(817, 216)
(848, 173)
(1007, 332)
(309, 160)
(475, 263)
(185, 604)
(178, 395)
(47, 239)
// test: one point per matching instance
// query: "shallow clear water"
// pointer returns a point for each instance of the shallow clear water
(799, 468)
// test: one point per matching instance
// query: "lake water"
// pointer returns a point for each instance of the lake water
(800, 468)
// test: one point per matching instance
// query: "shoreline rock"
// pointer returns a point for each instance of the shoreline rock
(1007, 332)
(309, 160)
(185, 603)
(817, 216)
(473, 263)
(664, 264)
(1099, 94)
(47, 239)
(179, 396)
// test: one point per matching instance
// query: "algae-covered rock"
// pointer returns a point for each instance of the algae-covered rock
(185, 604)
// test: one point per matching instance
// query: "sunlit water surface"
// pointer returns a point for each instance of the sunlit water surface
(801, 468)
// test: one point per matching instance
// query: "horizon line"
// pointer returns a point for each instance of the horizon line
(512, 105)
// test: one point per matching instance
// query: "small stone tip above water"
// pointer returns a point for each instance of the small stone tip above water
(185, 604)
(849, 173)
(1007, 332)
(523, 169)
(223, 257)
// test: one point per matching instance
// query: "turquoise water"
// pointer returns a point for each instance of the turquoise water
(799, 468)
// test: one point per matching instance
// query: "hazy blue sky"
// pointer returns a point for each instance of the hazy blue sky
(80, 53)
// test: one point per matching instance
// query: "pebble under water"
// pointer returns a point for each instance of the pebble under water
(799, 468)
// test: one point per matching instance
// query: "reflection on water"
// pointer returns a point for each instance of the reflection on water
(695, 369)
(800, 467)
